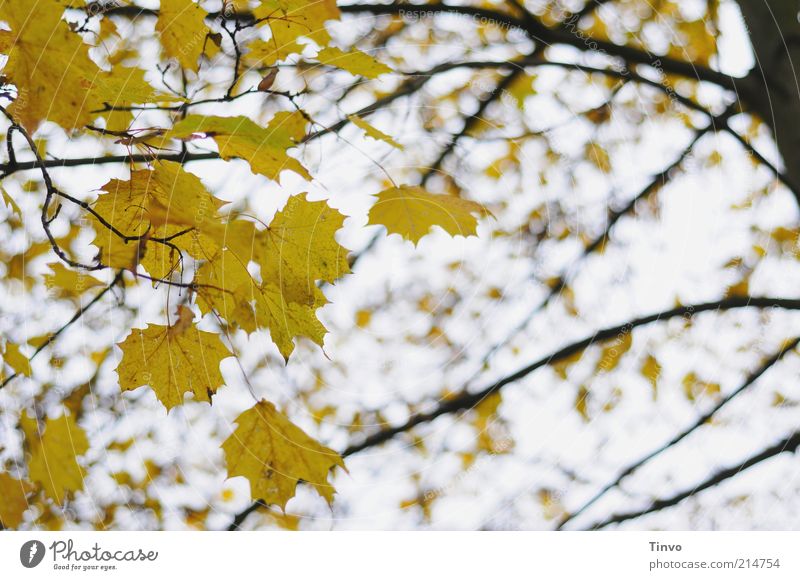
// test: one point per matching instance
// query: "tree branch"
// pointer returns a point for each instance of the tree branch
(702, 420)
(466, 400)
(789, 444)
(78, 314)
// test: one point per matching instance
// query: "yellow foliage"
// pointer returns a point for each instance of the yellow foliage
(412, 211)
(54, 455)
(173, 360)
(275, 455)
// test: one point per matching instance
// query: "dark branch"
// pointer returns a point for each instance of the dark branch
(467, 400)
(702, 420)
(790, 444)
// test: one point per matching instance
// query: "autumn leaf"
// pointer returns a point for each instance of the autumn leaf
(173, 360)
(290, 20)
(613, 352)
(228, 289)
(67, 282)
(239, 137)
(412, 211)
(651, 370)
(275, 455)
(54, 455)
(160, 203)
(16, 360)
(181, 24)
(48, 63)
(373, 132)
(13, 500)
(353, 61)
(299, 248)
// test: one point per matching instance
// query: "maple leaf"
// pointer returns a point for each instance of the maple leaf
(299, 248)
(173, 360)
(373, 132)
(181, 24)
(68, 282)
(274, 455)
(289, 20)
(239, 137)
(287, 320)
(411, 212)
(353, 61)
(16, 360)
(227, 288)
(48, 63)
(13, 500)
(54, 455)
(160, 203)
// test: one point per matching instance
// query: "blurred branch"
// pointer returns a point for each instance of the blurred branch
(787, 347)
(471, 121)
(548, 36)
(789, 444)
(656, 183)
(467, 400)
(565, 34)
(78, 314)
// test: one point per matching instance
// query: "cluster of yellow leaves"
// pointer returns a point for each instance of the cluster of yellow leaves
(56, 79)
(243, 275)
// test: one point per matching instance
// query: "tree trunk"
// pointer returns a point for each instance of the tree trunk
(774, 87)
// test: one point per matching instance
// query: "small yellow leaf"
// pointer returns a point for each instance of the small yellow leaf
(10, 203)
(54, 455)
(353, 61)
(16, 360)
(275, 455)
(613, 352)
(412, 211)
(13, 500)
(651, 370)
(373, 132)
(69, 283)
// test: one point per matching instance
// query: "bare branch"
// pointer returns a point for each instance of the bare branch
(787, 347)
(789, 444)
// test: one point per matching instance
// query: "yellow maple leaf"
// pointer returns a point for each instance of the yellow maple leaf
(54, 455)
(274, 455)
(67, 282)
(287, 320)
(411, 212)
(48, 63)
(268, 52)
(373, 132)
(161, 203)
(353, 61)
(613, 352)
(240, 137)
(181, 24)
(299, 248)
(13, 500)
(173, 360)
(651, 370)
(227, 288)
(289, 20)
